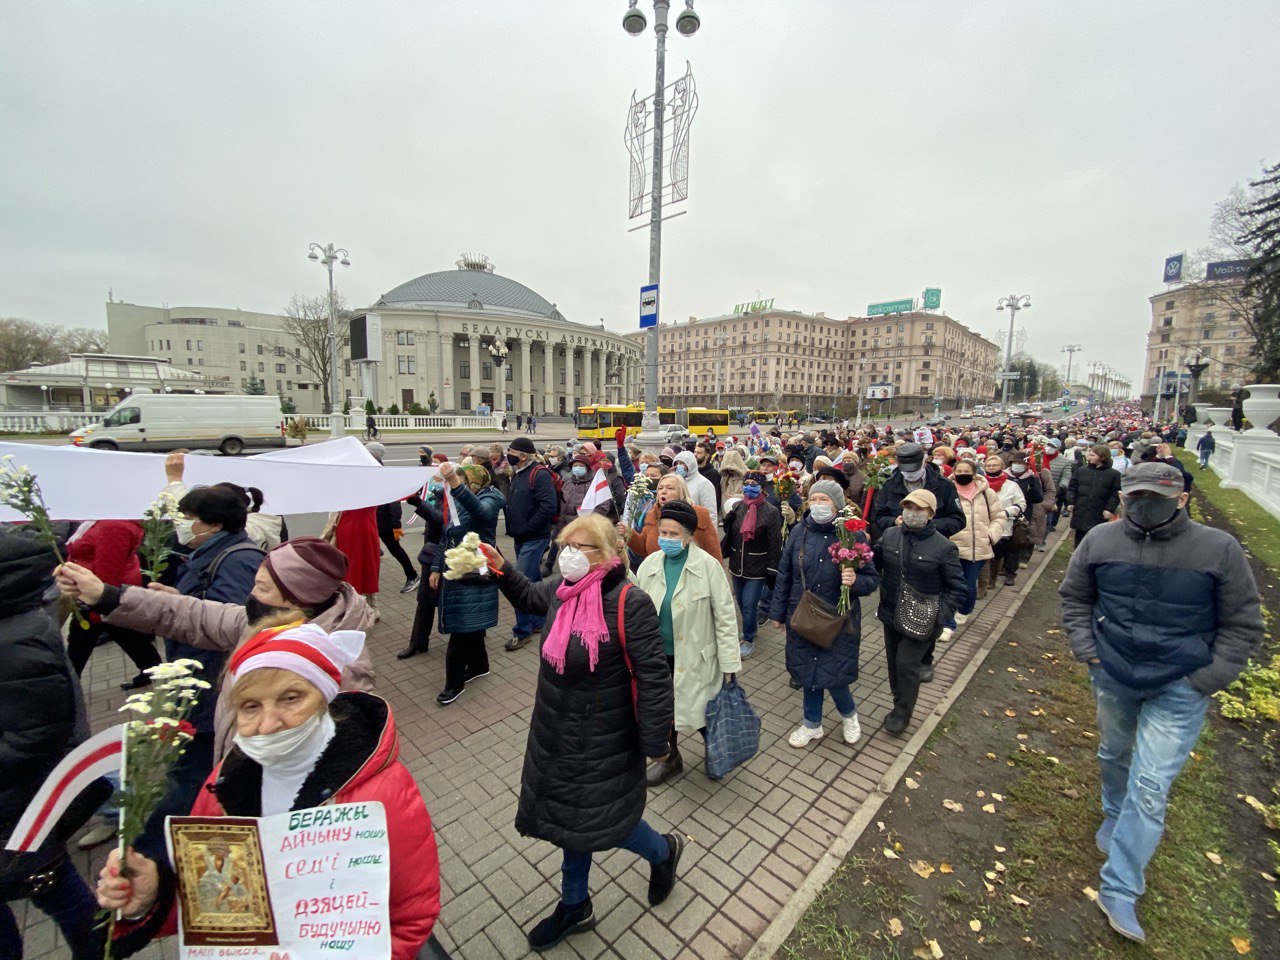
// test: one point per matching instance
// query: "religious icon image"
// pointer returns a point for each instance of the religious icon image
(222, 883)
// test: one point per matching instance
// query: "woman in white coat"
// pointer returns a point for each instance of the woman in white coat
(1015, 507)
(699, 624)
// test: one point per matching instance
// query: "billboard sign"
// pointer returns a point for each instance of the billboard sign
(1173, 269)
(648, 306)
(880, 391)
(890, 306)
(752, 306)
(932, 298)
(366, 337)
(1226, 269)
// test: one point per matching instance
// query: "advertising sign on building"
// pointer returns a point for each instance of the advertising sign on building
(880, 391)
(1226, 269)
(648, 306)
(753, 306)
(366, 337)
(1173, 269)
(932, 298)
(890, 306)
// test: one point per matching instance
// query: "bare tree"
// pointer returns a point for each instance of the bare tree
(24, 342)
(306, 320)
(83, 340)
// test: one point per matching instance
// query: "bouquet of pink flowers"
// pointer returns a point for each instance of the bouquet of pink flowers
(851, 551)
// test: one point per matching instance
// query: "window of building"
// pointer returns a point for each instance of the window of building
(1209, 317)
(562, 378)
(901, 328)
(1229, 350)
(486, 370)
(199, 344)
(244, 382)
(259, 349)
(1206, 334)
(1233, 334)
(261, 367)
(188, 344)
(924, 378)
(577, 378)
(297, 368)
(190, 362)
(244, 365)
(1168, 304)
(1167, 322)
(401, 365)
(279, 386)
(925, 364)
(1164, 338)
(241, 347)
(346, 368)
(279, 368)
(288, 384)
(464, 373)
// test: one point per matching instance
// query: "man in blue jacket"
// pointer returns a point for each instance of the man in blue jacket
(1166, 613)
(532, 506)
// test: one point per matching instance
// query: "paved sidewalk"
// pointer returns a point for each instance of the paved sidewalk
(754, 837)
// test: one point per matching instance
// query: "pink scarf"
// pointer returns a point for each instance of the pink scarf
(748, 530)
(581, 612)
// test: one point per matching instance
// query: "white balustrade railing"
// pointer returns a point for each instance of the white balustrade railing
(45, 422)
(320, 421)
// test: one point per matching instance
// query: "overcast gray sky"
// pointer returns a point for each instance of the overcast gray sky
(845, 151)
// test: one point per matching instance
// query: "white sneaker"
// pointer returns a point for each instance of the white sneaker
(100, 832)
(947, 633)
(852, 729)
(962, 619)
(804, 735)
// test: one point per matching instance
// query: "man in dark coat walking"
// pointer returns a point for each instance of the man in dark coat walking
(531, 508)
(914, 474)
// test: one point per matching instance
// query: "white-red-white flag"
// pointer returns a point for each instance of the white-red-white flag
(86, 763)
(597, 493)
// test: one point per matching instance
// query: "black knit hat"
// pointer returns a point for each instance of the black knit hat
(682, 513)
(524, 445)
(753, 476)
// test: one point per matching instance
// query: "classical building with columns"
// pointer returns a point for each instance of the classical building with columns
(459, 334)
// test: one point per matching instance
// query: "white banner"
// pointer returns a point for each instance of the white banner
(80, 484)
(309, 883)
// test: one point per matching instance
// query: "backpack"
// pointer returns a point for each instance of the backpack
(212, 570)
(556, 480)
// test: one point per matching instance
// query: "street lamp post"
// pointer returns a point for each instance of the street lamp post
(498, 351)
(719, 341)
(329, 255)
(1070, 350)
(1013, 303)
(857, 392)
(634, 22)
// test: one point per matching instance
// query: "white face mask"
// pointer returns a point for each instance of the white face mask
(573, 564)
(268, 749)
(186, 530)
(821, 512)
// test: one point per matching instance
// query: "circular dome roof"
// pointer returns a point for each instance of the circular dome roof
(475, 286)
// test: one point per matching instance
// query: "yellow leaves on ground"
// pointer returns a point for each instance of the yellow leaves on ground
(911, 783)
(1011, 713)
(930, 951)
(895, 926)
(1213, 858)
(1242, 945)
(945, 867)
(975, 926)
(922, 869)
(1091, 893)
(953, 806)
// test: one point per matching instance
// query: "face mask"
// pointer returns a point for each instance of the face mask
(914, 474)
(681, 471)
(937, 461)
(964, 479)
(573, 564)
(671, 546)
(579, 471)
(796, 465)
(425, 461)
(186, 530)
(914, 519)
(822, 513)
(556, 461)
(514, 459)
(1018, 469)
(268, 749)
(1150, 512)
(750, 490)
(435, 489)
(255, 609)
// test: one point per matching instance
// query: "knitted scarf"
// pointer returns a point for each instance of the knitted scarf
(582, 613)
(748, 529)
(996, 482)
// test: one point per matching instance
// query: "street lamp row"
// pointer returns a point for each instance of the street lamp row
(329, 255)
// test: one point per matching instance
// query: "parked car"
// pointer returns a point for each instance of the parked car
(168, 421)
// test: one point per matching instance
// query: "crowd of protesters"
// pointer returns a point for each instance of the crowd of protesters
(645, 598)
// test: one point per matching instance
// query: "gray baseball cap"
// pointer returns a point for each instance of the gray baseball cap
(910, 455)
(1162, 478)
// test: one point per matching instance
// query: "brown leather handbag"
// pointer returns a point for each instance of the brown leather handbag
(814, 619)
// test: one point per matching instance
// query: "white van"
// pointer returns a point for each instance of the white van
(169, 421)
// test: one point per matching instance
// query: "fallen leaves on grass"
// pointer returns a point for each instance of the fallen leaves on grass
(1213, 858)
(945, 867)
(1011, 713)
(930, 951)
(975, 925)
(1071, 793)
(1241, 944)
(989, 808)
(1258, 806)
(991, 756)
(912, 784)
(890, 855)
(1018, 901)
(1091, 893)
(895, 926)
(923, 869)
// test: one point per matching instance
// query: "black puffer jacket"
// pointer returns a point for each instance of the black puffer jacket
(757, 559)
(41, 709)
(932, 565)
(583, 782)
(1091, 491)
(948, 518)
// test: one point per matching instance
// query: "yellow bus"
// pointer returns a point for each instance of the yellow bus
(700, 419)
(601, 421)
(771, 416)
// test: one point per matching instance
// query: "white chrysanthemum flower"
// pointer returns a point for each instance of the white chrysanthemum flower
(136, 707)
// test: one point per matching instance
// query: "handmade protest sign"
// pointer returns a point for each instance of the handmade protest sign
(308, 883)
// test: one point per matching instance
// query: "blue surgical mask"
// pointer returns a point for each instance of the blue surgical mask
(750, 490)
(579, 471)
(681, 470)
(671, 546)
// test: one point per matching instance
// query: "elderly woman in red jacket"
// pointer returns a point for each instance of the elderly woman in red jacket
(109, 548)
(299, 743)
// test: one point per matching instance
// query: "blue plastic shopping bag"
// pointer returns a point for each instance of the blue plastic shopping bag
(733, 730)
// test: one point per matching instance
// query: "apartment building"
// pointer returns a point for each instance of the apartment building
(1205, 320)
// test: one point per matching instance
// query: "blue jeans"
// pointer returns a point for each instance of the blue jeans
(1204, 458)
(576, 869)
(70, 905)
(842, 697)
(1144, 738)
(972, 569)
(529, 562)
(747, 593)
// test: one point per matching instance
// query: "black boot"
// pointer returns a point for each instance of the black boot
(662, 876)
(896, 722)
(660, 771)
(563, 922)
(411, 650)
(137, 683)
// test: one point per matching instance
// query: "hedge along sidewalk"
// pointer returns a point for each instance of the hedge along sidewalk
(804, 896)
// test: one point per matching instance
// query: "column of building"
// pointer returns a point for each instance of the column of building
(473, 384)
(449, 373)
(588, 393)
(548, 374)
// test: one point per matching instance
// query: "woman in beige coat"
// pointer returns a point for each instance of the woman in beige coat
(699, 624)
(733, 467)
(984, 525)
